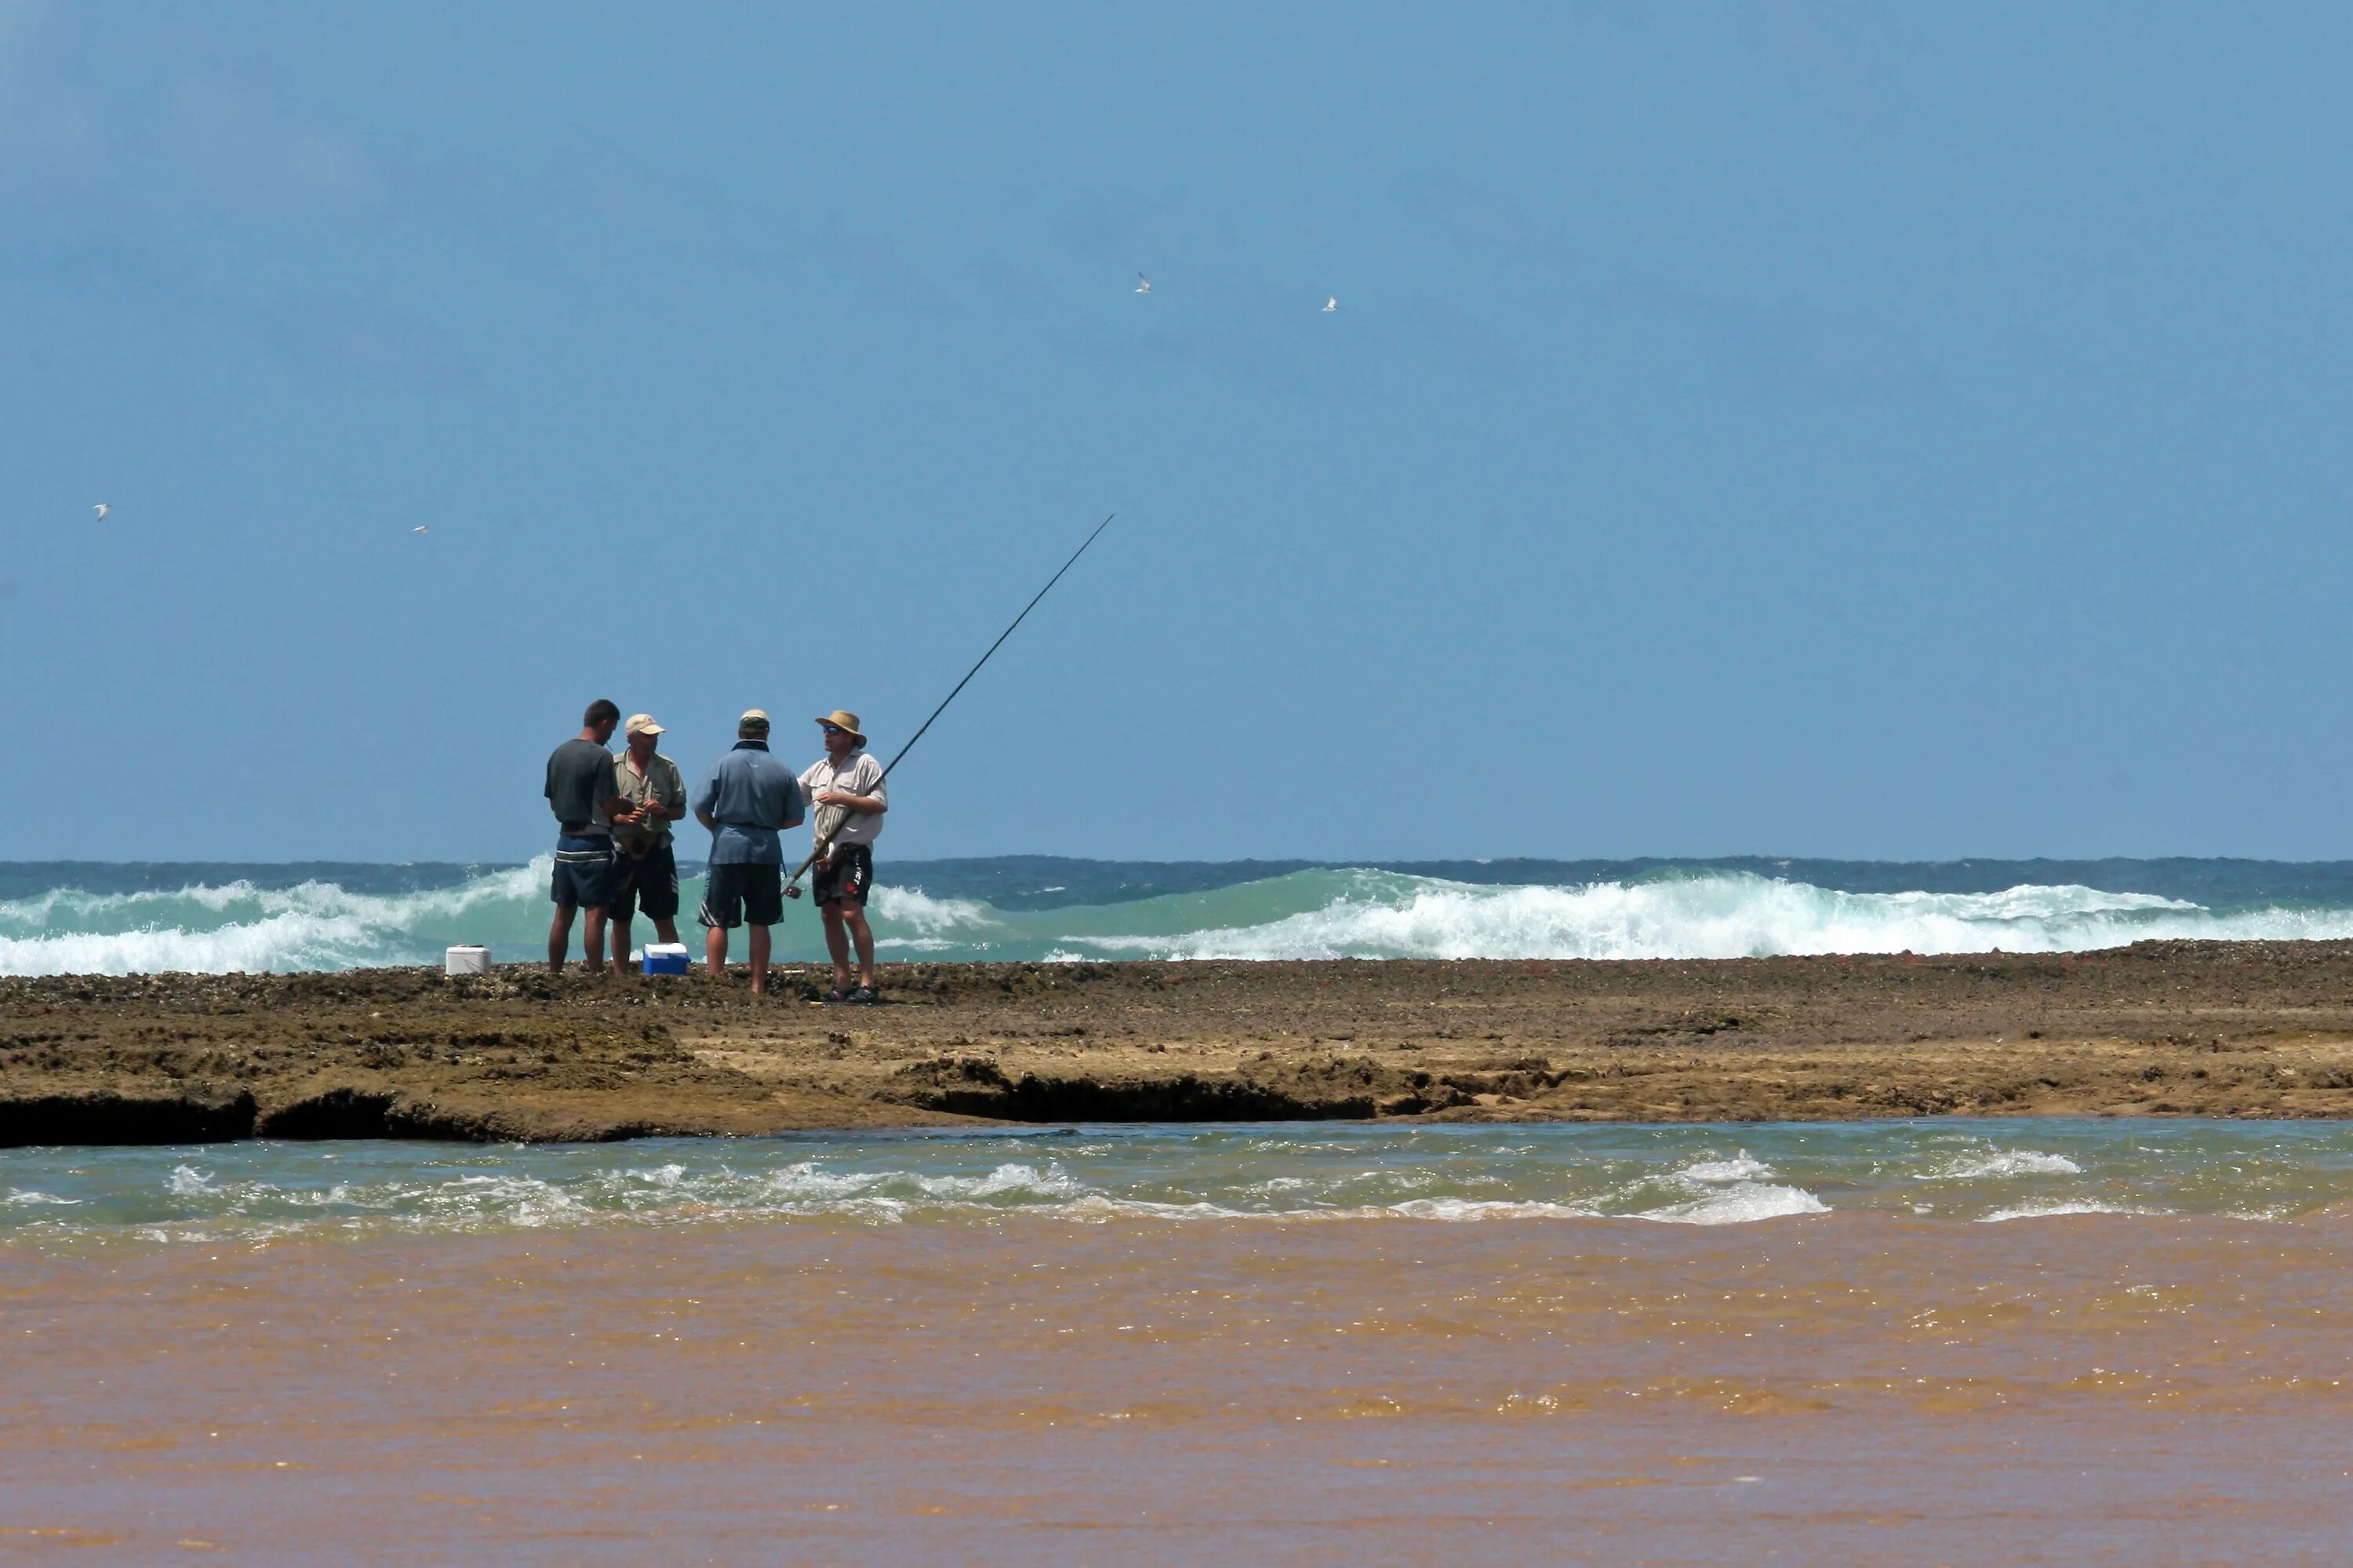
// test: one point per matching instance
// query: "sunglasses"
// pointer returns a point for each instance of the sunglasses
(833, 729)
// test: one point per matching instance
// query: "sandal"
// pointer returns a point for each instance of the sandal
(865, 996)
(838, 995)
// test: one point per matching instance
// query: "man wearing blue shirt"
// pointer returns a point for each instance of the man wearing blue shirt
(747, 798)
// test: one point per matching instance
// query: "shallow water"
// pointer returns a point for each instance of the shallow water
(1267, 1344)
(1946, 1171)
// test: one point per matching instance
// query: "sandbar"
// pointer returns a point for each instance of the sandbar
(2215, 1029)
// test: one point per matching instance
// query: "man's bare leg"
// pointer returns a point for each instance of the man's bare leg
(620, 929)
(854, 916)
(666, 930)
(592, 937)
(837, 943)
(714, 949)
(559, 939)
(759, 946)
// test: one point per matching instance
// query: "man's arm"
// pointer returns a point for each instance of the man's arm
(615, 805)
(675, 810)
(874, 803)
(796, 804)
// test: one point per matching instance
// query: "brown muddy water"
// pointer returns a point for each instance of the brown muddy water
(1507, 1380)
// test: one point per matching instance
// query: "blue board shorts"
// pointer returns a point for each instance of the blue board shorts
(584, 872)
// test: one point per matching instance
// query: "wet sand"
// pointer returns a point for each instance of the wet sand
(2206, 1029)
(1835, 1389)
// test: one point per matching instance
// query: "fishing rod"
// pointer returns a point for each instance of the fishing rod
(793, 885)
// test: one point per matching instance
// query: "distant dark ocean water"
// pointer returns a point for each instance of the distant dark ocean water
(74, 916)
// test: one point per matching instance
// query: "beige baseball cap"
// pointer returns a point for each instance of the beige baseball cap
(754, 718)
(641, 724)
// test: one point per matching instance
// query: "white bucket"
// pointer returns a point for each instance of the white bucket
(468, 960)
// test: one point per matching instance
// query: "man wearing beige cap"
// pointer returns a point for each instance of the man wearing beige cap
(745, 800)
(645, 869)
(846, 786)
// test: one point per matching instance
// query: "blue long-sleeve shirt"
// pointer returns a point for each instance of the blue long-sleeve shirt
(751, 796)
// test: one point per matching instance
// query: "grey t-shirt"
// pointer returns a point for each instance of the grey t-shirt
(580, 780)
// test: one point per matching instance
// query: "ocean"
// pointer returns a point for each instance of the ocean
(61, 917)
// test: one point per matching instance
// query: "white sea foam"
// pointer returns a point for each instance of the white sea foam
(1740, 1168)
(805, 1181)
(322, 925)
(1743, 1203)
(914, 910)
(1007, 1181)
(509, 1200)
(1998, 1163)
(238, 928)
(187, 1182)
(2054, 1207)
(1459, 1210)
(1721, 916)
(212, 1205)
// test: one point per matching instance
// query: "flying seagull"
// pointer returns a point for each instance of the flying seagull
(102, 508)
(1143, 284)
(1331, 304)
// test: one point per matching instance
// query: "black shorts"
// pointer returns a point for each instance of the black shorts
(737, 893)
(846, 878)
(648, 880)
(584, 872)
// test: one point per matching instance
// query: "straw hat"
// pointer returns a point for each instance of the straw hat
(843, 718)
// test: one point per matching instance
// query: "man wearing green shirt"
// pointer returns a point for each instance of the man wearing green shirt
(645, 870)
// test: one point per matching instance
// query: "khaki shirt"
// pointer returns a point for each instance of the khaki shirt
(662, 783)
(860, 775)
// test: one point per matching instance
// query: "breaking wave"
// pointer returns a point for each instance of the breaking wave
(1718, 915)
(1306, 914)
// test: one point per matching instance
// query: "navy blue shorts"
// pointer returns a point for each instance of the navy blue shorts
(584, 872)
(648, 880)
(846, 878)
(739, 893)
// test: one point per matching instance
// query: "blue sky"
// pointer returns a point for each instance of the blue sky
(1824, 429)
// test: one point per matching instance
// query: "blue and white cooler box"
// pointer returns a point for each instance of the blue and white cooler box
(665, 958)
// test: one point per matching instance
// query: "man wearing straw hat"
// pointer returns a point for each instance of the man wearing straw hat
(846, 787)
